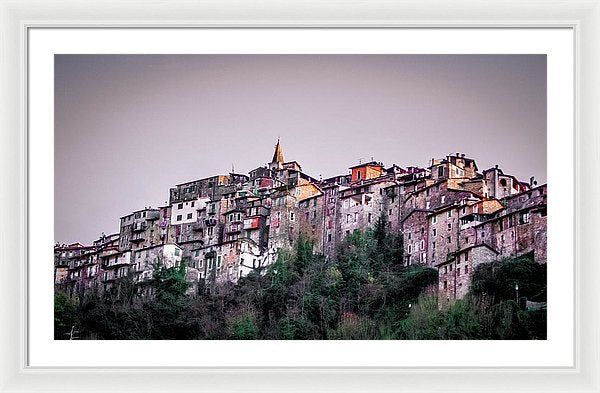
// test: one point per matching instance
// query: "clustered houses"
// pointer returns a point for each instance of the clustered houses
(452, 218)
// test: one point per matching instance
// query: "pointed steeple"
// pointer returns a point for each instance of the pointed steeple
(278, 155)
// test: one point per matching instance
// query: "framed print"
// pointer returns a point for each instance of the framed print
(224, 197)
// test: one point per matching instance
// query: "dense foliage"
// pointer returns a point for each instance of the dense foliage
(490, 310)
(364, 293)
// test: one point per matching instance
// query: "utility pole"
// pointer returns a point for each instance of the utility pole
(74, 335)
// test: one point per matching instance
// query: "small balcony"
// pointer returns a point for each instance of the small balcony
(210, 222)
(138, 238)
(138, 226)
(234, 228)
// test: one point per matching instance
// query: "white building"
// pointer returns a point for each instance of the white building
(187, 211)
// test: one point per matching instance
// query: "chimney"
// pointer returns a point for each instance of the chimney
(457, 154)
(532, 181)
(496, 166)
(462, 155)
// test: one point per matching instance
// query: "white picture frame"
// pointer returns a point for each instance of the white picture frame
(16, 17)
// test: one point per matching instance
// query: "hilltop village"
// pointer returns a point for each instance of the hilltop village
(452, 216)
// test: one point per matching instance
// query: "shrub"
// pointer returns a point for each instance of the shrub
(65, 316)
(242, 327)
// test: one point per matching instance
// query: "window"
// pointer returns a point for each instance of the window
(357, 175)
(445, 284)
(410, 248)
(179, 217)
(464, 209)
(348, 218)
(218, 261)
(306, 215)
(433, 219)
(177, 252)
(180, 206)
(466, 255)
(210, 231)
(315, 214)
(443, 198)
(329, 237)
(467, 240)
(428, 205)
(458, 271)
(369, 218)
(524, 218)
(449, 239)
(449, 213)
(434, 232)
(422, 245)
(189, 216)
(466, 269)
(440, 171)
(355, 217)
(450, 267)
(445, 271)
(192, 204)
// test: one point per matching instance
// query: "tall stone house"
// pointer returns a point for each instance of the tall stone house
(452, 218)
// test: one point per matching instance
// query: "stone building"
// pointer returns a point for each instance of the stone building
(224, 227)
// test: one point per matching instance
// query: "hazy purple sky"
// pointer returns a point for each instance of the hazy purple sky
(128, 127)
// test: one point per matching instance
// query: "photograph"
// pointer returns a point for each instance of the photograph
(300, 197)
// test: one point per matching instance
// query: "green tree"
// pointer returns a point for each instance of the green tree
(242, 327)
(169, 303)
(498, 279)
(65, 316)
